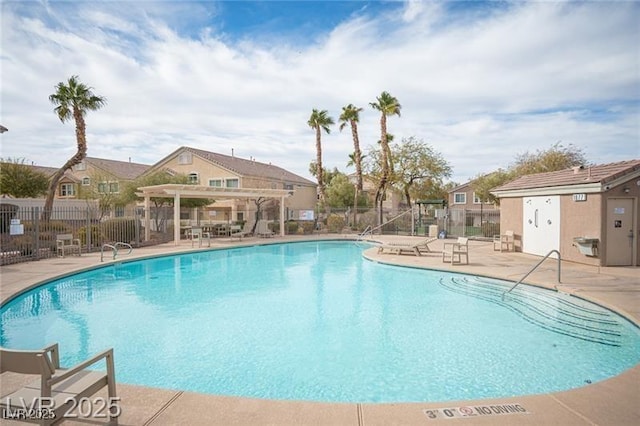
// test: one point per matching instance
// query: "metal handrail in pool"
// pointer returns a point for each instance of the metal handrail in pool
(114, 247)
(534, 268)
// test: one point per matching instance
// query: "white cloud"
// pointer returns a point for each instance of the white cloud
(479, 88)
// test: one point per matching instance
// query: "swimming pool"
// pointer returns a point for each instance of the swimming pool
(315, 321)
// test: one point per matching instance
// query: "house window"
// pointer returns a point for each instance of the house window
(460, 198)
(102, 188)
(216, 183)
(232, 183)
(240, 216)
(185, 158)
(86, 181)
(476, 199)
(119, 211)
(193, 178)
(67, 190)
(114, 187)
(288, 186)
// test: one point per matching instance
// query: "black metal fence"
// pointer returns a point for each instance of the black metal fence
(25, 236)
(471, 223)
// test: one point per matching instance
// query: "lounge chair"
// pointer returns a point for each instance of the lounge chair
(197, 234)
(417, 248)
(504, 242)
(56, 390)
(239, 232)
(262, 229)
(458, 250)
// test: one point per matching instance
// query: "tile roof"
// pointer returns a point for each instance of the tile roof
(47, 171)
(120, 169)
(601, 173)
(249, 167)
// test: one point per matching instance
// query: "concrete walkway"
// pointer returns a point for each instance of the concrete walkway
(611, 402)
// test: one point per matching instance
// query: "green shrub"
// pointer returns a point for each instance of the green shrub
(24, 243)
(55, 226)
(335, 223)
(96, 235)
(274, 227)
(307, 226)
(291, 227)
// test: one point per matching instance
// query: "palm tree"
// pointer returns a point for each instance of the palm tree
(351, 115)
(387, 105)
(320, 120)
(72, 100)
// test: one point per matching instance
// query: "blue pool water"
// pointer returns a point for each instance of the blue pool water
(316, 321)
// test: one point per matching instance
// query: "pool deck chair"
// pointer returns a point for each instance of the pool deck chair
(196, 234)
(504, 242)
(239, 232)
(262, 229)
(66, 243)
(457, 250)
(57, 389)
(417, 248)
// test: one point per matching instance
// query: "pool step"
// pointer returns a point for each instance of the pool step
(552, 311)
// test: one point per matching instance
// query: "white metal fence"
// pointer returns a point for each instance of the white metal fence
(24, 236)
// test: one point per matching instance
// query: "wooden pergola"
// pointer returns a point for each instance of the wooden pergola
(177, 191)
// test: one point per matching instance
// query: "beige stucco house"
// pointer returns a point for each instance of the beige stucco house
(229, 171)
(94, 178)
(589, 214)
(464, 197)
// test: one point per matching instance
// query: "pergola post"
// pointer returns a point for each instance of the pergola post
(147, 218)
(176, 218)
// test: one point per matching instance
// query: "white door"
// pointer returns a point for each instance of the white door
(620, 232)
(541, 224)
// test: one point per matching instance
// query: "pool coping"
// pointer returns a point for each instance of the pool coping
(615, 400)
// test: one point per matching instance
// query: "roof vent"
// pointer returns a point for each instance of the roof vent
(576, 169)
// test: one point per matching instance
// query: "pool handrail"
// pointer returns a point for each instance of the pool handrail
(534, 268)
(114, 248)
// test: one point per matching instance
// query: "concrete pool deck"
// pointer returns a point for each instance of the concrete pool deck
(615, 401)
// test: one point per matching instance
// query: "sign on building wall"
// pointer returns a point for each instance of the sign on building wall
(306, 215)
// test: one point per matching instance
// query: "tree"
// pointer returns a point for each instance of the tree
(387, 105)
(320, 120)
(104, 188)
(351, 116)
(341, 192)
(21, 181)
(557, 157)
(417, 163)
(428, 190)
(73, 100)
(483, 184)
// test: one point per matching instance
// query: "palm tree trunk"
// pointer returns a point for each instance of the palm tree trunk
(357, 154)
(80, 155)
(382, 185)
(319, 164)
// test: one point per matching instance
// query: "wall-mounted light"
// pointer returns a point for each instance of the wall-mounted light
(626, 189)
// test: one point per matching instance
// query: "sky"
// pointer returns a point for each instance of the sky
(481, 82)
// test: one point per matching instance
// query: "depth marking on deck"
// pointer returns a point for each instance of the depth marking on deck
(474, 411)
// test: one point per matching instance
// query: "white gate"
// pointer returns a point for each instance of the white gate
(541, 224)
